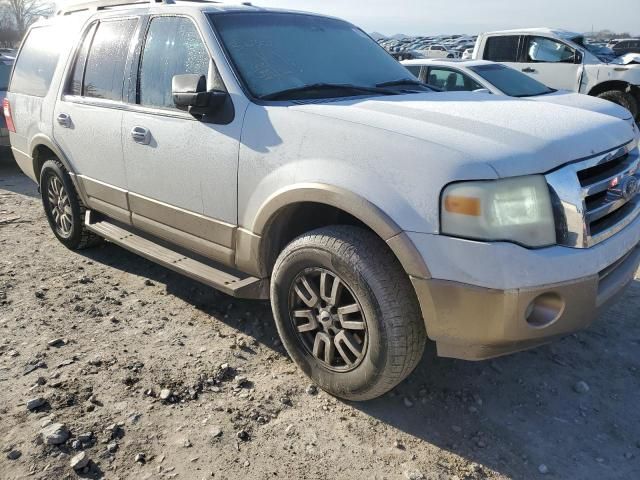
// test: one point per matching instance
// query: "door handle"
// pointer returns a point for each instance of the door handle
(529, 70)
(141, 135)
(64, 120)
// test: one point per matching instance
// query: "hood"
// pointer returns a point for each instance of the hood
(627, 59)
(514, 136)
(585, 102)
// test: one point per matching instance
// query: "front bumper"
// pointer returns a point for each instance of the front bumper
(483, 299)
(476, 323)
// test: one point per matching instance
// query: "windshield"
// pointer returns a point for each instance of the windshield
(511, 82)
(280, 52)
(5, 72)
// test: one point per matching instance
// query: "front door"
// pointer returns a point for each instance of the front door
(551, 62)
(181, 170)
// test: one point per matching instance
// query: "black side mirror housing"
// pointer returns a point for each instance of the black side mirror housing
(190, 93)
(578, 57)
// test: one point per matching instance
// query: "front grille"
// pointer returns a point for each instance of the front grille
(592, 175)
(595, 198)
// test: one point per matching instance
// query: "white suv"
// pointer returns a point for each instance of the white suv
(282, 155)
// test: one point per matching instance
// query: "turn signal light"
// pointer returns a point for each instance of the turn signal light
(463, 205)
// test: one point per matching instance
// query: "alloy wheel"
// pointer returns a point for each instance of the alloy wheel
(328, 319)
(60, 206)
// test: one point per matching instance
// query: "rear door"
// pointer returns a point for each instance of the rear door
(88, 119)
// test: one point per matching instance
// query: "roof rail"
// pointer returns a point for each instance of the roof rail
(95, 5)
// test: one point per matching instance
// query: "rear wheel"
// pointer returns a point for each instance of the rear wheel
(63, 208)
(346, 312)
(623, 99)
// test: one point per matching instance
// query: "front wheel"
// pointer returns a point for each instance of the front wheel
(346, 312)
(623, 99)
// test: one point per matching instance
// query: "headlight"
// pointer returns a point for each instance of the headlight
(514, 210)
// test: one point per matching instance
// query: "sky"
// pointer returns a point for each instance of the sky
(430, 17)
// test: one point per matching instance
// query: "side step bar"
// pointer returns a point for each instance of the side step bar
(241, 287)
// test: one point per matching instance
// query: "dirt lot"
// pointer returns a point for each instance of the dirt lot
(98, 337)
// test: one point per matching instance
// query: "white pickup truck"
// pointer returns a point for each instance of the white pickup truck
(562, 60)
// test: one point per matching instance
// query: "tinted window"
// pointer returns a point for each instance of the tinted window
(104, 73)
(546, 50)
(276, 52)
(511, 82)
(5, 72)
(502, 49)
(451, 81)
(414, 69)
(75, 81)
(173, 47)
(36, 63)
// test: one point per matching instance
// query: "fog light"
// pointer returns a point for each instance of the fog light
(544, 310)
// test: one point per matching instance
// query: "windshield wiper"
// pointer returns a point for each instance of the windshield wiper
(551, 90)
(325, 86)
(402, 81)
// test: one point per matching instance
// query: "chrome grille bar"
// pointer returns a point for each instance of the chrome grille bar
(589, 202)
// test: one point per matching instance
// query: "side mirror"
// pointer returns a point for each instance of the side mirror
(190, 93)
(578, 57)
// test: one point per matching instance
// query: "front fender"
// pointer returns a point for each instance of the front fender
(251, 242)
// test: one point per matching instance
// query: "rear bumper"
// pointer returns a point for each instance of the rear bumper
(476, 323)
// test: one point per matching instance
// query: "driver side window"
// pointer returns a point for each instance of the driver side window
(541, 49)
(173, 47)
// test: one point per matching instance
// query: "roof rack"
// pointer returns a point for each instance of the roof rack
(95, 5)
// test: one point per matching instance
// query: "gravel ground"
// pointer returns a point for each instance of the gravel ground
(123, 369)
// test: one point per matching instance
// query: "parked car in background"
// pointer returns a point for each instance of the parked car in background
(467, 54)
(439, 51)
(229, 143)
(630, 45)
(562, 60)
(5, 72)
(8, 52)
(499, 79)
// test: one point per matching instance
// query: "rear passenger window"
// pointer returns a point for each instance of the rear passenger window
(104, 71)
(75, 83)
(502, 49)
(451, 81)
(36, 63)
(173, 47)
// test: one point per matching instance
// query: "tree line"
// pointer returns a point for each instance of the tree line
(16, 16)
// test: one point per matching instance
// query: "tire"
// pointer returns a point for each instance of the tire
(387, 327)
(623, 99)
(60, 199)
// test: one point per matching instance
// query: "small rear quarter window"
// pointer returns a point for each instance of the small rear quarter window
(36, 63)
